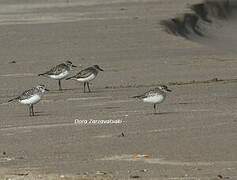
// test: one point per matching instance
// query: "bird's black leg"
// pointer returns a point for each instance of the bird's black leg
(32, 109)
(59, 85)
(88, 86)
(29, 110)
(84, 86)
(154, 108)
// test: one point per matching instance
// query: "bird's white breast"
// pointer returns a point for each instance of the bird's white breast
(60, 76)
(89, 78)
(32, 100)
(154, 99)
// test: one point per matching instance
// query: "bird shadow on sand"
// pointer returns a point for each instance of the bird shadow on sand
(72, 89)
(183, 103)
(77, 90)
(41, 113)
(37, 114)
(161, 113)
(112, 107)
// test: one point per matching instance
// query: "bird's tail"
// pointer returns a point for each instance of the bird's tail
(137, 97)
(14, 99)
(41, 74)
(72, 77)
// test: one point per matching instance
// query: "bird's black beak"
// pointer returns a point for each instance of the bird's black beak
(169, 90)
(46, 89)
(74, 66)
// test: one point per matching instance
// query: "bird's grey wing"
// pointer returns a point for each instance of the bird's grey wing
(56, 70)
(146, 94)
(27, 94)
(85, 73)
(151, 92)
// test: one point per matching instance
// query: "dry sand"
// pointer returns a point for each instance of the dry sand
(194, 136)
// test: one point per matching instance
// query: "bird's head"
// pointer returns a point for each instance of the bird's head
(164, 88)
(42, 88)
(69, 64)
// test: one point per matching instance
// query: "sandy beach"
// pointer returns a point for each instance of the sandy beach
(194, 135)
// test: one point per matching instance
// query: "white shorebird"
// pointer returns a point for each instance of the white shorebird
(87, 75)
(31, 97)
(59, 72)
(154, 96)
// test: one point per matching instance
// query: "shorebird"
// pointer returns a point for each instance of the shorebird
(31, 97)
(154, 96)
(87, 75)
(59, 72)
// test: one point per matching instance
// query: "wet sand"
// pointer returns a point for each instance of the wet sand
(193, 137)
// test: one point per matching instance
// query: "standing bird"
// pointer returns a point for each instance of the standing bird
(87, 75)
(31, 97)
(154, 96)
(59, 72)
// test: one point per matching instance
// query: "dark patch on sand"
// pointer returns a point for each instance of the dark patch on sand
(212, 22)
